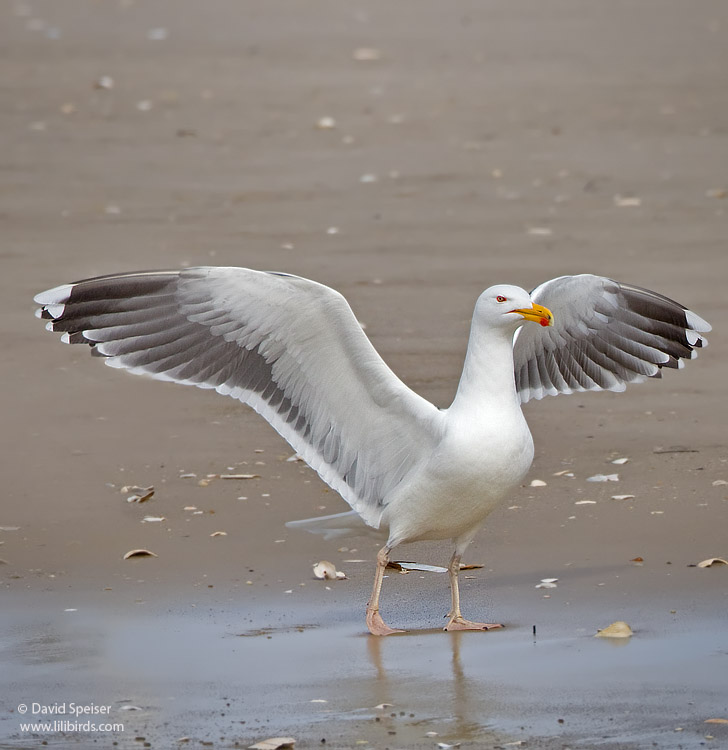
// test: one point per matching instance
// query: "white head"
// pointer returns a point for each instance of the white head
(506, 306)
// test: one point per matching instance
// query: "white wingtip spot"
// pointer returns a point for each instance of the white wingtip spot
(57, 296)
(55, 311)
(697, 323)
(117, 364)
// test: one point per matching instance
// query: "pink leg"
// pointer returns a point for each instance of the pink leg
(457, 621)
(375, 623)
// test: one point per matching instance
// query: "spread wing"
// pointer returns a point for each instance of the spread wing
(605, 335)
(289, 347)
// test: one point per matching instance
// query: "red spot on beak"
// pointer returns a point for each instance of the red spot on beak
(544, 322)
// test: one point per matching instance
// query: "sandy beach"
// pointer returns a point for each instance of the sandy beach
(408, 154)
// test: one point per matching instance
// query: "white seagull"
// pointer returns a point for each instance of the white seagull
(293, 350)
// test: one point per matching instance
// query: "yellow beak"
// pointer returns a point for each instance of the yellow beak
(538, 314)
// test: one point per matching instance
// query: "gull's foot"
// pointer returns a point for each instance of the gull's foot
(377, 626)
(460, 623)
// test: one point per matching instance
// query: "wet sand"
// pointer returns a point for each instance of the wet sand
(498, 142)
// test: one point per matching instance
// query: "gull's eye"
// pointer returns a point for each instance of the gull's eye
(500, 298)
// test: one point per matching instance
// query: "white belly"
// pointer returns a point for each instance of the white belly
(466, 477)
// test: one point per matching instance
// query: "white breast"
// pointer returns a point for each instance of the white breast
(466, 477)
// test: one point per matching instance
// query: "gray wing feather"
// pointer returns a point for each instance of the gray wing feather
(605, 335)
(289, 347)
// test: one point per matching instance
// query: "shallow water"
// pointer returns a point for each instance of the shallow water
(199, 675)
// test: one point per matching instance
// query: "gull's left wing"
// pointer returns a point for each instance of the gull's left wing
(605, 335)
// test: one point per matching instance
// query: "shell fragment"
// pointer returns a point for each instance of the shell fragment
(618, 629)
